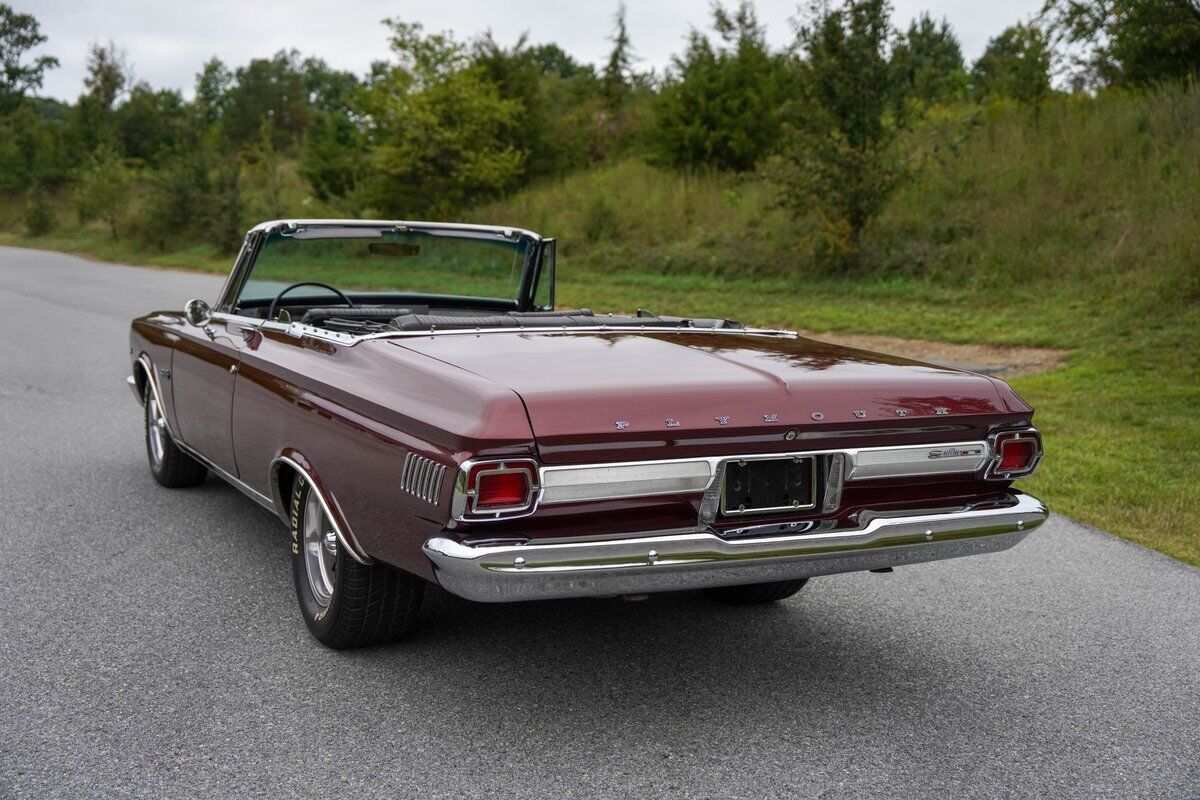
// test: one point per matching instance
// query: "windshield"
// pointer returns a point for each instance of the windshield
(387, 261)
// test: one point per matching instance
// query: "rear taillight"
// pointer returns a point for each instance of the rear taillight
(509, 489)
(1015, 454)
(501, 489)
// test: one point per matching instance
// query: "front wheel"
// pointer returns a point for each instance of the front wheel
(756, 593)
(345, 604)
(169, 465)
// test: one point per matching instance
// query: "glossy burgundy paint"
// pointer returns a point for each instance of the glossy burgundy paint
(350, 414)
(202, 378)
(577, 387)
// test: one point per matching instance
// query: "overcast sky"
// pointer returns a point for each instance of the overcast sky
(168, 41)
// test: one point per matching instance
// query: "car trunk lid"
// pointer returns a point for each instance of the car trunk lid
(619, 395)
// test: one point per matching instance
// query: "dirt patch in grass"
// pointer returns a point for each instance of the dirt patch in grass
(998, 360)
(1003, 361)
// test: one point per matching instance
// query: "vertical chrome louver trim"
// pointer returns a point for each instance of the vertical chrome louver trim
(422, 477)
(407, 470)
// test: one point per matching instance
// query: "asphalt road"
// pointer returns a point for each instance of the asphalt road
(150, 644)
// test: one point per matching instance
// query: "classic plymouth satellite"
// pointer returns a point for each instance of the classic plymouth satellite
(408, 400)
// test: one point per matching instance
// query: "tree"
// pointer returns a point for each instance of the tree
(102, 190)
(19, 33)
(108, 76)
(212, 92)
(1134, 42)
(328, 89)
(267, 89)
(928, 62)
(720, 105)
(178, 197)
(1015, 64)
(226, 208)
(552, 60)
(840, 168)
(574, 111)
(441, 130)
(517, 76)
(619, 69)
(32, 146)
(334, 154)
(263, 166)
(150, 123)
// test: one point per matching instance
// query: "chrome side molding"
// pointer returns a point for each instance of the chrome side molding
(345, 538)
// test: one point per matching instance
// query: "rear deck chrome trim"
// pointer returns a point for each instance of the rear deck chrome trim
(298, 330)
(859, 463)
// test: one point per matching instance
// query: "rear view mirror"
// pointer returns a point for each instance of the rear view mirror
(393, 249)
(197, 312)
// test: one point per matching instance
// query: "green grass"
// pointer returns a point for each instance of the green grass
(1075, 226)
(95, 243)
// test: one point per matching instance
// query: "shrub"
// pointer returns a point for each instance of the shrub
(40, 218)
(103, 189)
(600, 220)
(177, 199)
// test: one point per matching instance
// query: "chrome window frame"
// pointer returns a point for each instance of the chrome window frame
(255, 237)
(248, 254)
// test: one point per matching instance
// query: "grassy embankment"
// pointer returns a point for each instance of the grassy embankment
(1077, 226)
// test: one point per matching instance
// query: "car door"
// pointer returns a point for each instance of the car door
(203, 376)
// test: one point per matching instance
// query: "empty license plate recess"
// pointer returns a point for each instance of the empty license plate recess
(759, 486)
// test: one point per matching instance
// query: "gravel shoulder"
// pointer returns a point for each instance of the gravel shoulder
(999, 360)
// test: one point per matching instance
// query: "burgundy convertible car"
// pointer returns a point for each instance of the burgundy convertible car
(408, 400)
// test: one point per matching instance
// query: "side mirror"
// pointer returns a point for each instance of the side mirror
(197, 312)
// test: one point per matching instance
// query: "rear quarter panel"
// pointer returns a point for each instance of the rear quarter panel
(353, 413)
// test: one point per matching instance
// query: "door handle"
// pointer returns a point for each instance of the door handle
(233, 367)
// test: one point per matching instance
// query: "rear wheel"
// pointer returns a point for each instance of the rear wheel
(345, 603)
(756, 593)
(169, 465)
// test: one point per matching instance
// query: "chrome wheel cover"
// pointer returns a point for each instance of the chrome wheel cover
(320, 550)
(156, 430)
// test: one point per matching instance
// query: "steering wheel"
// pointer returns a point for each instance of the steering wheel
(286, 289)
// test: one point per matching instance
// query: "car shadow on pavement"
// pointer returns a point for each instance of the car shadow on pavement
(663, 655)
(843, 645)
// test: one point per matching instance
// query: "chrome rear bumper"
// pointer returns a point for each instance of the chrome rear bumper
(697, 557)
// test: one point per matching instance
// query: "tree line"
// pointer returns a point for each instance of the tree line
(446, 124)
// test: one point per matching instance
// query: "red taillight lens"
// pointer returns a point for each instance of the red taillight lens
(502, 489)
(1016, 455)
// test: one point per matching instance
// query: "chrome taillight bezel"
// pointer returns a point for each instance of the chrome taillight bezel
(996, 444)
(462, 504)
